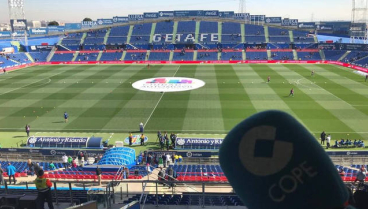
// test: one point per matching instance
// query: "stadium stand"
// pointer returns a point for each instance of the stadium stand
(281, 55)
(166, 27)
(231, 56)
(135, 56)
(256, 55)
(309, 55)
(87, 57)
(207, 56)
(208, 27)
(157, 56)
(62, 57)
(142, 29)
(186, 27)
(39, 56)
(334, 54)
(111, 56)
(178, 56)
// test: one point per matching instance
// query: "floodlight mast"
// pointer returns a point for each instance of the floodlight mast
(359, 21)
(16, 12)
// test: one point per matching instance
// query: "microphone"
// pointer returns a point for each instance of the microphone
(273, 162)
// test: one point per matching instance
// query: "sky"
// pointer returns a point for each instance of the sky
(76, 10)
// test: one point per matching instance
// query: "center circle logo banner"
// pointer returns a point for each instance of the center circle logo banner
(168, 84)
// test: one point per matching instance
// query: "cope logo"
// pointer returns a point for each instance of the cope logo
(262, 154)
(168, 84)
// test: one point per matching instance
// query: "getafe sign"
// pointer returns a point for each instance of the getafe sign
(207, 37)
(168, 84)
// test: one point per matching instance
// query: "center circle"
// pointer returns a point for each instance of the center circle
(168, 84)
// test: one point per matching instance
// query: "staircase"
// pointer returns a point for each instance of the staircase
(65, 47)
(130, 33)
(345, 55)
(269, 55)
(147, 55)
(195, 55)
(29, 57)
(152, 32)
(198, 25)
(242, 30)
(99, 56)
(123, 56)
(291, 35)
(171, 55)
(220, 32)
(267, 34)
(244, 55)
(49, 57)
(175, 30)
(295, 55)
(322, 54)
(75, 56)
(83, 38)
(107, 36)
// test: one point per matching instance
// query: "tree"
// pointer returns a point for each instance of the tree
(53, 23)
(87, 19)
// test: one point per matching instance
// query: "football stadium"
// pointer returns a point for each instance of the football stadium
(183, 109)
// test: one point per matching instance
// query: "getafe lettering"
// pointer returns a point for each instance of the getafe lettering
(210, 37)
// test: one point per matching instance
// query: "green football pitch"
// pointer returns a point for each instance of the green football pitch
(101, 99)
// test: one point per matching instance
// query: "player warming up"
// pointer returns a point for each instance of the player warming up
(312, 74)
(366, 78)
(148, 66)
(268, 79)
(66, 116)
(291, 92)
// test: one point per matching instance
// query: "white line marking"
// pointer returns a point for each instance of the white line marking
(158, 102)
(31, 83)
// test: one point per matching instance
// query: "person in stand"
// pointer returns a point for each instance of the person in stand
(86, 158)
(98, 174)
(28, 129)
(170, 174)
(70, 161)
(291, 92)
(52, 166)
(164, 159)
(11, 172)
(1, 176)
(268, 79)
(65, 161)
(74, 163)
(43, 186)
(161, 176)
(66, 116)
(142, 139)
(130, 139)
(323, 137)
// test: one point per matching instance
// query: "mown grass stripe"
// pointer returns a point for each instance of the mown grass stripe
(235, 102)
